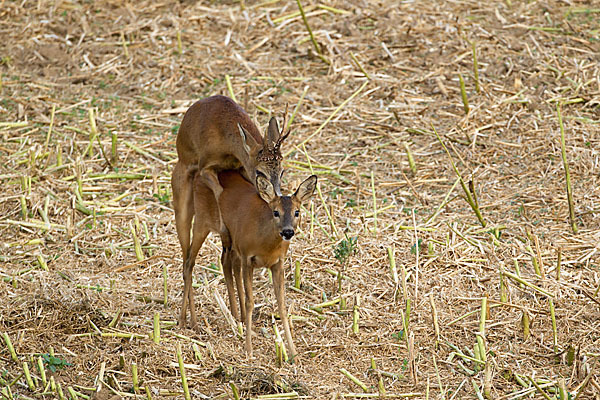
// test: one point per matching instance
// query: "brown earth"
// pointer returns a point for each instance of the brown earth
(124, 61)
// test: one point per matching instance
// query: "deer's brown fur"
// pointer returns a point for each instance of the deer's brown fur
(216, 134)
(258, 227)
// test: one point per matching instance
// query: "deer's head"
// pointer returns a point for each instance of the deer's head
(266, 157)
(285, 209)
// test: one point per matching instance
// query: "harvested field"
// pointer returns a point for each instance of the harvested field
(438, 261)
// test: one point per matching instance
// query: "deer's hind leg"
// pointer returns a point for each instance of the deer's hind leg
(200, 234)
(211, 178)
(183, 204)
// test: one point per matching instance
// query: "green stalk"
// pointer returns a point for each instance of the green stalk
(392, 259)
(179, 44)
(93, 131)
(539, 389)
(554, 329)
(73, 393)
(534, 261)
(503, 288)
(136, 243)
(518, 271)
(113, 148)
(156, 326)
(230, 87)
(310, 33)
(470, 199)
(411, 160)
(100, 377)
(463, 93)
(234, 390)
(439, 379)
(567, 174)
(360, 66)
(197, 352)
(355, 380)
(477, 390)
(525, 324)
(42, 371)
(59, 160)
(59, 390)
(319, 307)
(283, 356)
(115, 319)
(28, 378)
(289, 123)
(50, 127)
(24, 210)
(562, 390)
(147, 390)
(475, 67)
(531, 285)
(124, 43)
(134, 377)
(9, 345)
(481, 335)
(184, 383)
(79, 191)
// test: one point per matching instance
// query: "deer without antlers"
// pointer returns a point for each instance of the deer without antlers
(216, 134)
(259, 225)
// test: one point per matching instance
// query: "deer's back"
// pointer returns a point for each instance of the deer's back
(209, 134)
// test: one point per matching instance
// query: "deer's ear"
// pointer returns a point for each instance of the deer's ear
(265, 189)
(306, 189)
(272, 133)
(246, 137)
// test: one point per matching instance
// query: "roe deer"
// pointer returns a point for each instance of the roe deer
(259, 225)
(217, 134)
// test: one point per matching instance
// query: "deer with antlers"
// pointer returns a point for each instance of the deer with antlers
(216, 134)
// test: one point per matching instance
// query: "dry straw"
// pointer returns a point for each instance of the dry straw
(92, 97)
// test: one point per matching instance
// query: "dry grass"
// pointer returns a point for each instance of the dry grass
(69, 272)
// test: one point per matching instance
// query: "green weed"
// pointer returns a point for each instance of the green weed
(54, 363)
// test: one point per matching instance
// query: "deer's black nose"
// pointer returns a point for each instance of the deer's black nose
(287, 234)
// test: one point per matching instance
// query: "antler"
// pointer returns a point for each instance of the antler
(283, 134)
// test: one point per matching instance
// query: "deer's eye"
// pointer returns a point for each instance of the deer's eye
(296, 213)
(260, 173)
(276, 214)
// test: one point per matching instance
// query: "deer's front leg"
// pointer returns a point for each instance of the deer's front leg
(247, 269)
(236, 265)
(278, 286)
